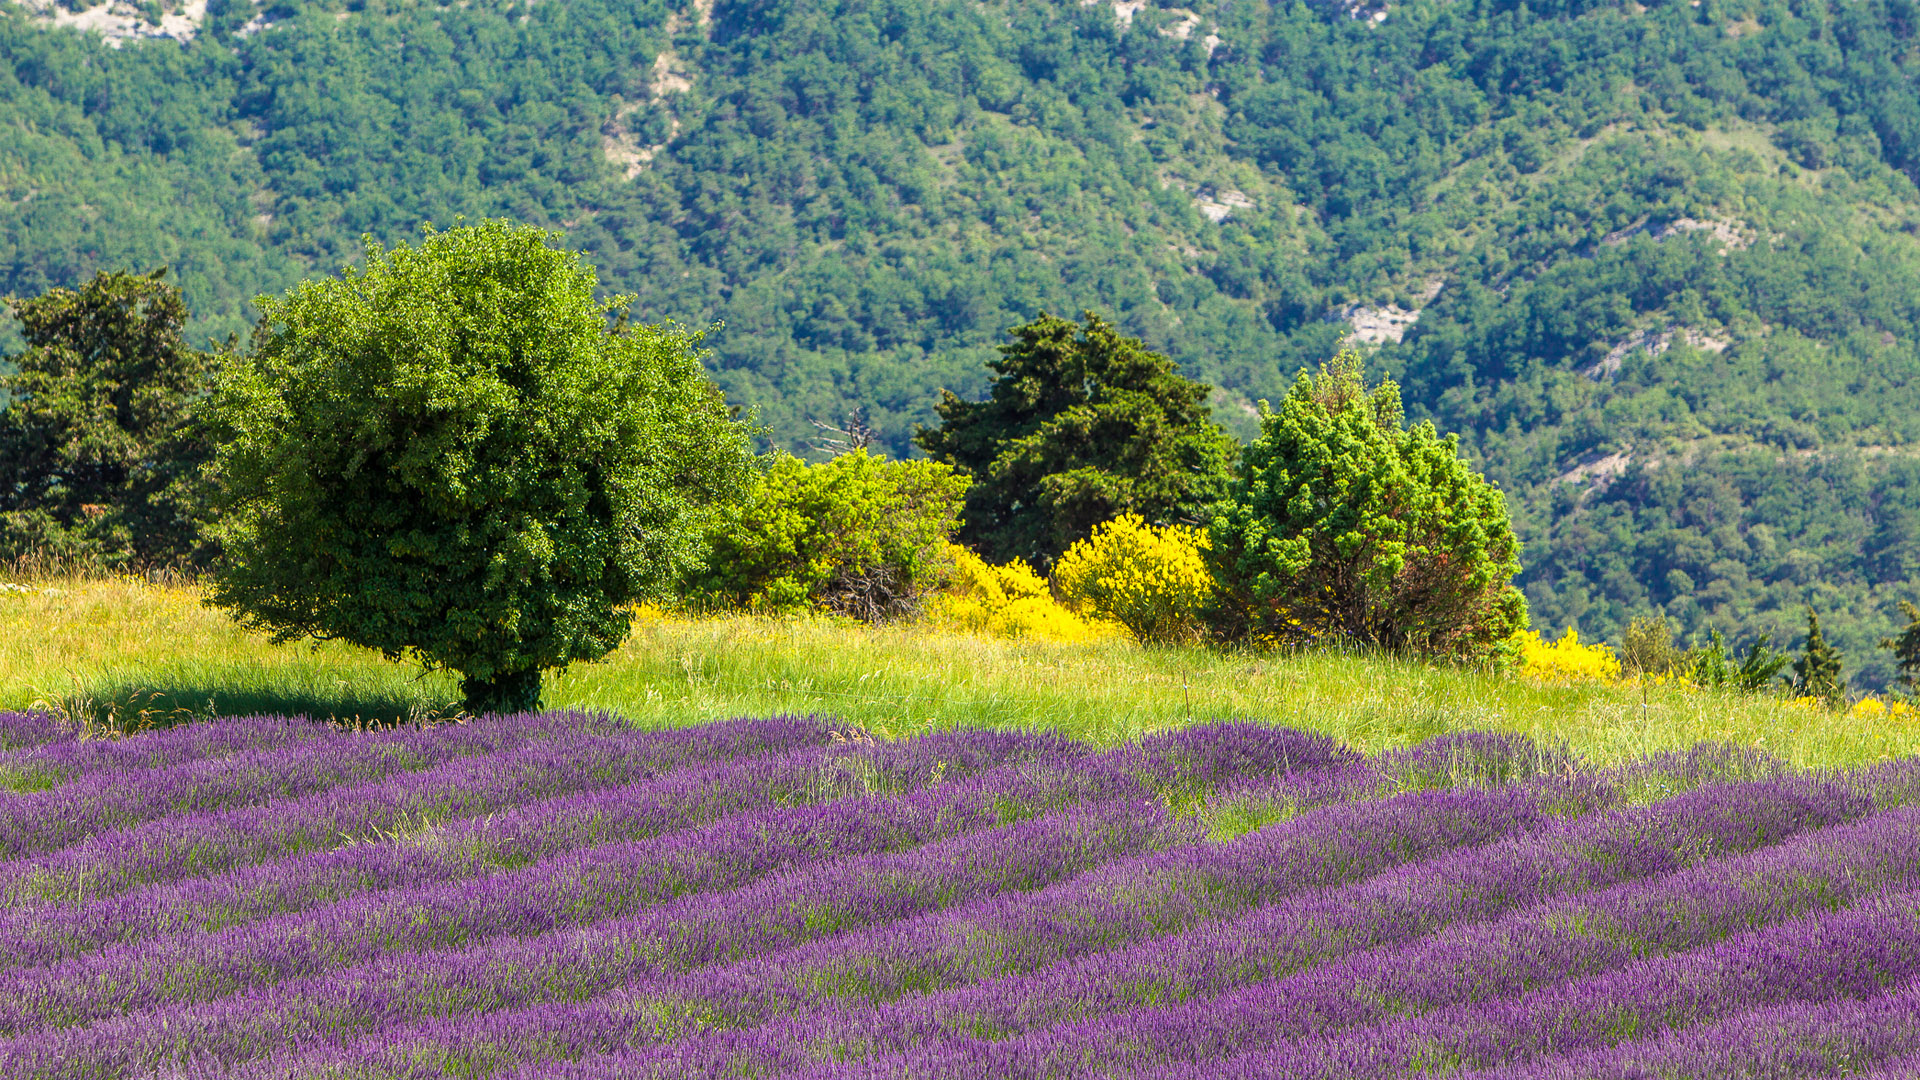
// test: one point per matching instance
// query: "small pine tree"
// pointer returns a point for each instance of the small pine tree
(1906, 652)
(1083, 424)
(1709, 668)
(1758, 666)
(1345, 524)
(1817, 673)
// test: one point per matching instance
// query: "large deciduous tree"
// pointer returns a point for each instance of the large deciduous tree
(1083, 424)
(97, 447)
(454, 454)
(1346, 525)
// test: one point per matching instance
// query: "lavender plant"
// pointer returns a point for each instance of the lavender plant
(504, 767)
(1167, 1000)
(41, 766)
(556, 897)
(34, 727)
(752, 786)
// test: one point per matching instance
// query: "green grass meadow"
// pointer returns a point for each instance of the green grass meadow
(133, 653)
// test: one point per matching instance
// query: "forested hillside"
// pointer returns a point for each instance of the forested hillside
(1658, 265)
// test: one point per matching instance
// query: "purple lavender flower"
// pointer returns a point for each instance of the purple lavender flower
(572, 889)
(1130, 900)
(1837, 1037)
(43, 821)
(519, 835)
(483, 767)
(33, 727)
(961, 1032)
(815, 901)
(1858, 952)
(45, 765)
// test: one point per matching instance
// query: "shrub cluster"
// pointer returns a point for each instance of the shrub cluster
(859, 535)
(460, 454)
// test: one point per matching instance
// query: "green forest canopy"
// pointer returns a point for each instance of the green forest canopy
(1664, 258)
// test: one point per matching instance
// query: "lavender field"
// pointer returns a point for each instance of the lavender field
(560, 896)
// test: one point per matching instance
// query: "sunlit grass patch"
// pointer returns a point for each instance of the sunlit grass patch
(124, 647)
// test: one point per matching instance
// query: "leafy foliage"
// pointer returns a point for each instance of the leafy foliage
(1758, 666)
(1083, 424)
(97, 450)
(1152, 580)
(1647, 648)
(1345, 523)
(859, 535)
(449, 453)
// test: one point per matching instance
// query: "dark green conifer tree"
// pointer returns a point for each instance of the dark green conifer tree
(1817, 673)
(1083, 425)
(98, 451)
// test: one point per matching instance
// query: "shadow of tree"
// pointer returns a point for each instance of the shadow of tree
(127, 704)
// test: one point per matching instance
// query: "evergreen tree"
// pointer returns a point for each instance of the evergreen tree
(97, 448)
(1344, 523)
(1759, 667)
(1817, 673)
(1906, 651)
(1083, 425)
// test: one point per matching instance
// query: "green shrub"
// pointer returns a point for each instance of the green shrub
(858, 535)
(451, 454)
(1647, 648)
(1906, 651)
(1817, 674)
(1715, 668)
(1346, 524)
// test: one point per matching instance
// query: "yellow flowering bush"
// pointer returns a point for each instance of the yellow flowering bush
(1153, 581)
(1873, 708)
(1006, 601)
(1567, 659)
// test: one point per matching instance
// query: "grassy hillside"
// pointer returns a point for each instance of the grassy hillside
(1657, 264)
(124, 646)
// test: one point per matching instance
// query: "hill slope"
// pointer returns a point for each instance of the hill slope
(1656, 264)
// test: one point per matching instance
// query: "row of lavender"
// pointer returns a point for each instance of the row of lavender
(557, 896)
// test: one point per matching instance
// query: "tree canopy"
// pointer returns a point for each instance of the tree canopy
(1345, 524)
(451, 453)
(857, 535)
(1082, 425)
(98, 455)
